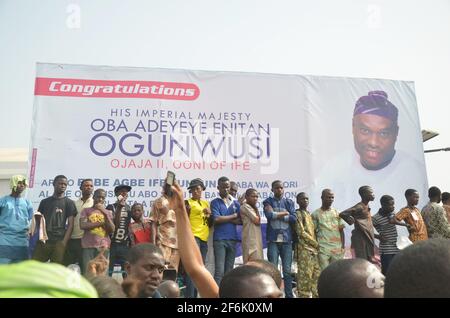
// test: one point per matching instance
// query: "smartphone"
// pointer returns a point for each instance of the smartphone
(170, 180)
(170, 274)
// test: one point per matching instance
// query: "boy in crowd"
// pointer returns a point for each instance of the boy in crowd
(411, 215)
(141, 229)
(307, 250)
(97, 224)
(384, 222)
(120, 241)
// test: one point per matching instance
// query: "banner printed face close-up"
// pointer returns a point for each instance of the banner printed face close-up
(119, 125)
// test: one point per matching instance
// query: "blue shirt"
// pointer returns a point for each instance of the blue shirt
(224, 231)
(15, 216)
(276, 227)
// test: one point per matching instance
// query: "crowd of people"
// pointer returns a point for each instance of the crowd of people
(121, 253)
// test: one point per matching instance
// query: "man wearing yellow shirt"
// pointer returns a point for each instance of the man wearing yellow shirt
(200, 219)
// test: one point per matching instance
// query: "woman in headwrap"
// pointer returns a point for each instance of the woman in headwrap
(15, 216)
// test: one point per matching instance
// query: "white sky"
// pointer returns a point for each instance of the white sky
(392, 39)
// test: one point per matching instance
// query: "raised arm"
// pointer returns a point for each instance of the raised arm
(118, 210)
(188, 249)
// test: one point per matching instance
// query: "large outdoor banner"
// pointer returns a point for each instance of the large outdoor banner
(120, 125)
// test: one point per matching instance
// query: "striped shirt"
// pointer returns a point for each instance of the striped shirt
(388, 231)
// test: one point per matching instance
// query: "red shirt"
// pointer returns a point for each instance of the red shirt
(141, 232)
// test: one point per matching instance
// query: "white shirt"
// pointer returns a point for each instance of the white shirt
(77, 232)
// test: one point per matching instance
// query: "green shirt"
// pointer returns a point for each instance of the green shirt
(32, 279)
(328, 225)
(305, 229)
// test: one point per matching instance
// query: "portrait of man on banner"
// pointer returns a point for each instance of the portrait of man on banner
(374, 159)
(375, 130)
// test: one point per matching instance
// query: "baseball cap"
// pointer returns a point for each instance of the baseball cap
(196, 182)
(122, 187)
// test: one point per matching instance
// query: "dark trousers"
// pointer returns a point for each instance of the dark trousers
(74, 253)
(118, 256)
(386, 260)
(53, 251)
(224, 256)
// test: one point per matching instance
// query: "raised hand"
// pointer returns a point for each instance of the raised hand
(99, 265)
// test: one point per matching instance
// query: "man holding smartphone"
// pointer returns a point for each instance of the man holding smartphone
(165, 225)
(120, 242)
